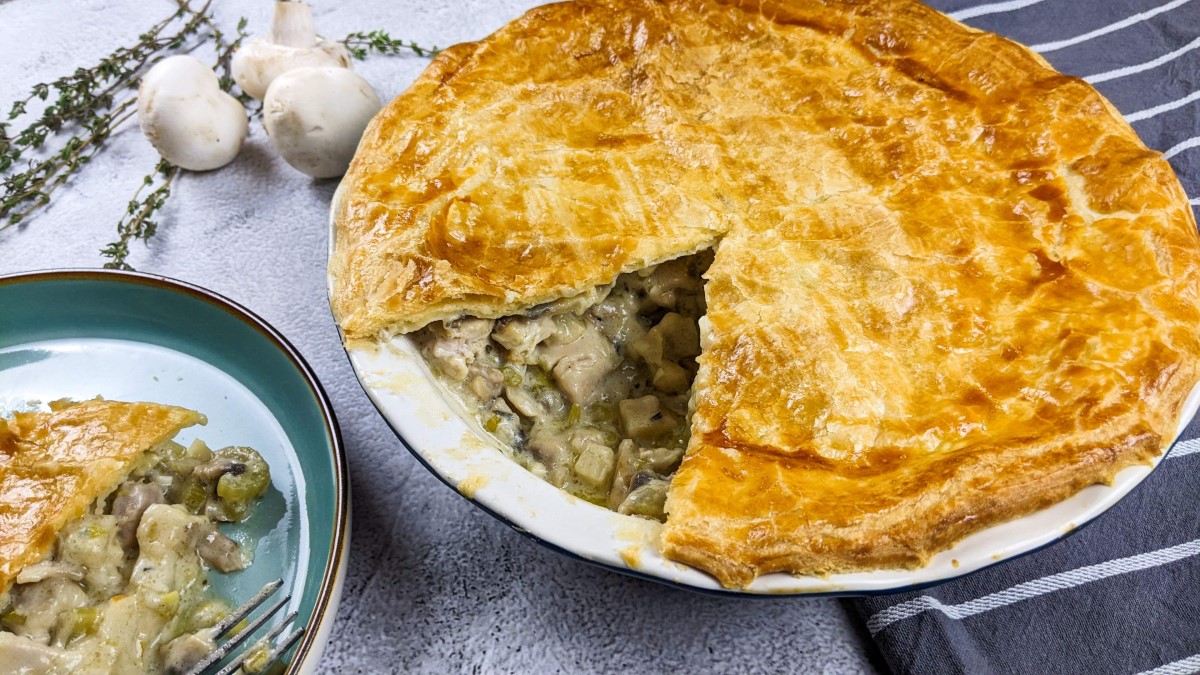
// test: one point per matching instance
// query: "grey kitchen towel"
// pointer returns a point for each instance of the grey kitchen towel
(1121, 595)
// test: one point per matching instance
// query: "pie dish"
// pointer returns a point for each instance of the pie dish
(950, 287)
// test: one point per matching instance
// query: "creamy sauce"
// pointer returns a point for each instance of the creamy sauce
(125, 589)
(592, 397)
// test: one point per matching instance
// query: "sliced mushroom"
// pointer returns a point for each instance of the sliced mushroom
(213, 469)
(50, 569)
(219, 551)
(662, 461)
(485, 381)
(522, 400)
(626, 467)
(184, 652)
(131, 502)
(647, 499)
(553, 451)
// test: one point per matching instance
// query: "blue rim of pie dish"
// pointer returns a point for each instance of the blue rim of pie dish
(339, 543)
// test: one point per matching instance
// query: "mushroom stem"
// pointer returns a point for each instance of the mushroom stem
(293, 25)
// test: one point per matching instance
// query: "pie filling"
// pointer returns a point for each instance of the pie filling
(591, 397)
(125, 588)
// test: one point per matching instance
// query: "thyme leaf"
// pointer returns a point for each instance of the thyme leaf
(362, 44)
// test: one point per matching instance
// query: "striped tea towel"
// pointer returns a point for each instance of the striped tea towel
(1122, 595)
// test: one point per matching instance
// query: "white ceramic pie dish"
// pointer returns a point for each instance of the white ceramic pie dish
(444, 437)
(439, 432)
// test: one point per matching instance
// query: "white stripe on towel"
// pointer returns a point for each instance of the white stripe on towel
(1130, 70)
(992, 8)
(1160, 109)
(1031, 589)
(1110, 28)
(1180, 147)
(1188, 666)
(1194, 202)
(1191, 445)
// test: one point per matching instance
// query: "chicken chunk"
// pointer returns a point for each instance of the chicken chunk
(520, 335)
(580, 366)
(456, 345)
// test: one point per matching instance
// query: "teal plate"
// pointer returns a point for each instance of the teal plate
(134, 337)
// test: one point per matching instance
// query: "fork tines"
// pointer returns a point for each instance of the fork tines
(225, 625)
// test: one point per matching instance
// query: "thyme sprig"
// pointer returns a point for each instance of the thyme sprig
(380, 42)
(140, 219)
(85, 104)
(31, 189)
(138, 222)
(80, 93)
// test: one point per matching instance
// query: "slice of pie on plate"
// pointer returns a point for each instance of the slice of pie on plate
(950, 287)
(54, 465)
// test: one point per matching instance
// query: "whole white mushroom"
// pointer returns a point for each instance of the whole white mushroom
(292, 43)
(186, 116)
(316, 116)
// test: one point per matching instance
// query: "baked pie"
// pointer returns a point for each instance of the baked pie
(943, 285)
(107, 528)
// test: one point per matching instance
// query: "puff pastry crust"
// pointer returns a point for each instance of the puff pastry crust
(53, 465)
(951, 285)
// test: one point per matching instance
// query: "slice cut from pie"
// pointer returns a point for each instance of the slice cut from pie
(950, 286)
(53, 465)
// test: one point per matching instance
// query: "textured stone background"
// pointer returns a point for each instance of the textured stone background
(434, 584)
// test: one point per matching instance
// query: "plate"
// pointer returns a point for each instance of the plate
(135, 337)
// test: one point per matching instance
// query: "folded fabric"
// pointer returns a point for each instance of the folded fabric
(1119, 595)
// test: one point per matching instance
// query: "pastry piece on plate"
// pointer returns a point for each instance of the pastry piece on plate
(950, 287)
(53, 465)
(108, 528)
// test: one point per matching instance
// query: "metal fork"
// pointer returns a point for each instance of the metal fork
(225, 625)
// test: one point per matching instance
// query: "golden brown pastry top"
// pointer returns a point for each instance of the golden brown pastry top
(951, 285)
(53, 465)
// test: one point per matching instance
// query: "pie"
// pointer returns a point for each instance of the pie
(950, 285)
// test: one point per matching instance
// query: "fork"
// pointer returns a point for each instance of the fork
(225, 625)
